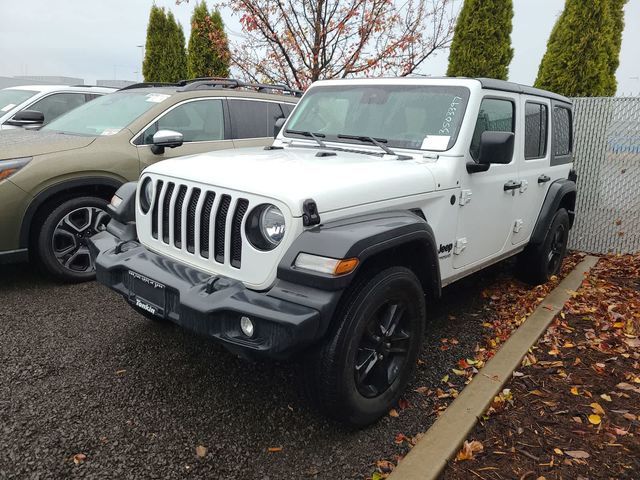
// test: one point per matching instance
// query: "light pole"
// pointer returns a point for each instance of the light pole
(141, 47)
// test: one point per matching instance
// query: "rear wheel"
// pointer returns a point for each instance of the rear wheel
(62, 245)
(364, 365)
(537, 263)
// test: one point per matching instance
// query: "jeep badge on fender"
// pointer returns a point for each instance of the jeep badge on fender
(325, 246)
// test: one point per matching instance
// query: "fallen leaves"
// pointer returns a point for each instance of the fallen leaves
(201, 451)
(468, 450)
(595, 419)
(577, 454)
(79, 458)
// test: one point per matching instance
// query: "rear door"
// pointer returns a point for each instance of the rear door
(533, 165)
(201, 122)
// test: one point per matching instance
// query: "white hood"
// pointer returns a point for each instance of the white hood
(295, 174)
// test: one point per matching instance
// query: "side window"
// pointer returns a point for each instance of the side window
(56, 104)
(253, 119)
(91, 96)
(496, 115)
(287, 108)
(535, 130)
(197, 121)
(561, 131)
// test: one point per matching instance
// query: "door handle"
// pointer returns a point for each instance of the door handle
(544, 178)
(512, 185)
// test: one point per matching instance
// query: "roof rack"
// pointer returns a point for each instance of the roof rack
(217, 82)
(149, 85)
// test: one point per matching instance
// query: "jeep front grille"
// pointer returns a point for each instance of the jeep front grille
(197, 221)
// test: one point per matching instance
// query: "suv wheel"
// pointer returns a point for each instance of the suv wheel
(363, 366)
(62, 241)
(537, 264)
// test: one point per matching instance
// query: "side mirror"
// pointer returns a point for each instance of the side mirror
(495, 147)
(278, 126)
(166, 139)
(27, 118)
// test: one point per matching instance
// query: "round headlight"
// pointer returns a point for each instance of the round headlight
(265, 227)
(146, 195)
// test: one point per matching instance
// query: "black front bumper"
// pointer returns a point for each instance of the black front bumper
(286, 318)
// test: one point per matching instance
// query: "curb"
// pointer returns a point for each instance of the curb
(429, 456)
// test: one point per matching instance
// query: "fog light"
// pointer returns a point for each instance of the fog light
(246, 325)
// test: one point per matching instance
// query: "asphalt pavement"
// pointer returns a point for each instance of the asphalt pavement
(84, 377)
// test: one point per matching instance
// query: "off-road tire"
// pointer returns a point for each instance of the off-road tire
(537, 263)
(329, 371)
(44, 240)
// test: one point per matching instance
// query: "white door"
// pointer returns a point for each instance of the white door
(533, 159)
(485, 221)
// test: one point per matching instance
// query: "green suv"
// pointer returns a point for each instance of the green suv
(55, 182)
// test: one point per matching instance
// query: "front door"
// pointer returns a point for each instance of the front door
(486, 212)
(201, 122)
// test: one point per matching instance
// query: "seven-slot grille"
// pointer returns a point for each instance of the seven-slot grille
(197, 221)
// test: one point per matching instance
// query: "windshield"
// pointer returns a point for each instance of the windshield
(10, 98)
(423, 117)
(106, 115)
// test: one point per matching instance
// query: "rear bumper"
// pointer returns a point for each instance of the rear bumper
(286, 318)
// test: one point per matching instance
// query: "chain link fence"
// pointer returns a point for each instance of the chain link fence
(607, 160)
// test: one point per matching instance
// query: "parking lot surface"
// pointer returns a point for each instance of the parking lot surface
(81, 373)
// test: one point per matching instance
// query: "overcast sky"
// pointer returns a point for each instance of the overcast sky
(97, 39)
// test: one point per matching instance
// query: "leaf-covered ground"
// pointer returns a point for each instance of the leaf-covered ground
(507, 303)
(572, 411)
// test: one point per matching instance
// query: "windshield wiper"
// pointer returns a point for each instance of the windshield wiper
(315, 136)
(378, 142)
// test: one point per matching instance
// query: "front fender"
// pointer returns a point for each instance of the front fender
(362, 237)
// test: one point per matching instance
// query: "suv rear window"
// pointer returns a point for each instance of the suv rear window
(253, 119)
(561, 131)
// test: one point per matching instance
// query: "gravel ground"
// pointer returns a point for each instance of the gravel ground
(81, 373)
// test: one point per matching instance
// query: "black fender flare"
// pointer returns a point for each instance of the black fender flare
(47, 193)
(362, 237)
(558, 191)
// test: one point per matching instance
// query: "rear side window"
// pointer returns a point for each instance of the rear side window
(561, 131)
(535, 130)
(496, 115)
(253, 119)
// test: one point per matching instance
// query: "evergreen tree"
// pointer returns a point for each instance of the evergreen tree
(208, 45)
(481, 44)
(176, 59)
(579, 58)
(617, 16)
(153, 65)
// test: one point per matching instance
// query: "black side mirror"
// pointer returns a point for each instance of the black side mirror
(27, 118)
(278, 126)
(166, 139)
(495, 147)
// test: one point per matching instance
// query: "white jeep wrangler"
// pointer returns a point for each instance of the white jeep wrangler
(326, 245)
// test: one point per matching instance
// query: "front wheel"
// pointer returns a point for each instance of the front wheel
(364, 365)
(537, 263)
(62, 241)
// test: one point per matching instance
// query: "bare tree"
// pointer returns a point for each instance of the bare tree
(296, 42)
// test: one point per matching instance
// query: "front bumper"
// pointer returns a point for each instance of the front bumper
(13, 204)
(286, 318)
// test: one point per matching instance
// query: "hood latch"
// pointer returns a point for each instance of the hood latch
(310, 215)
